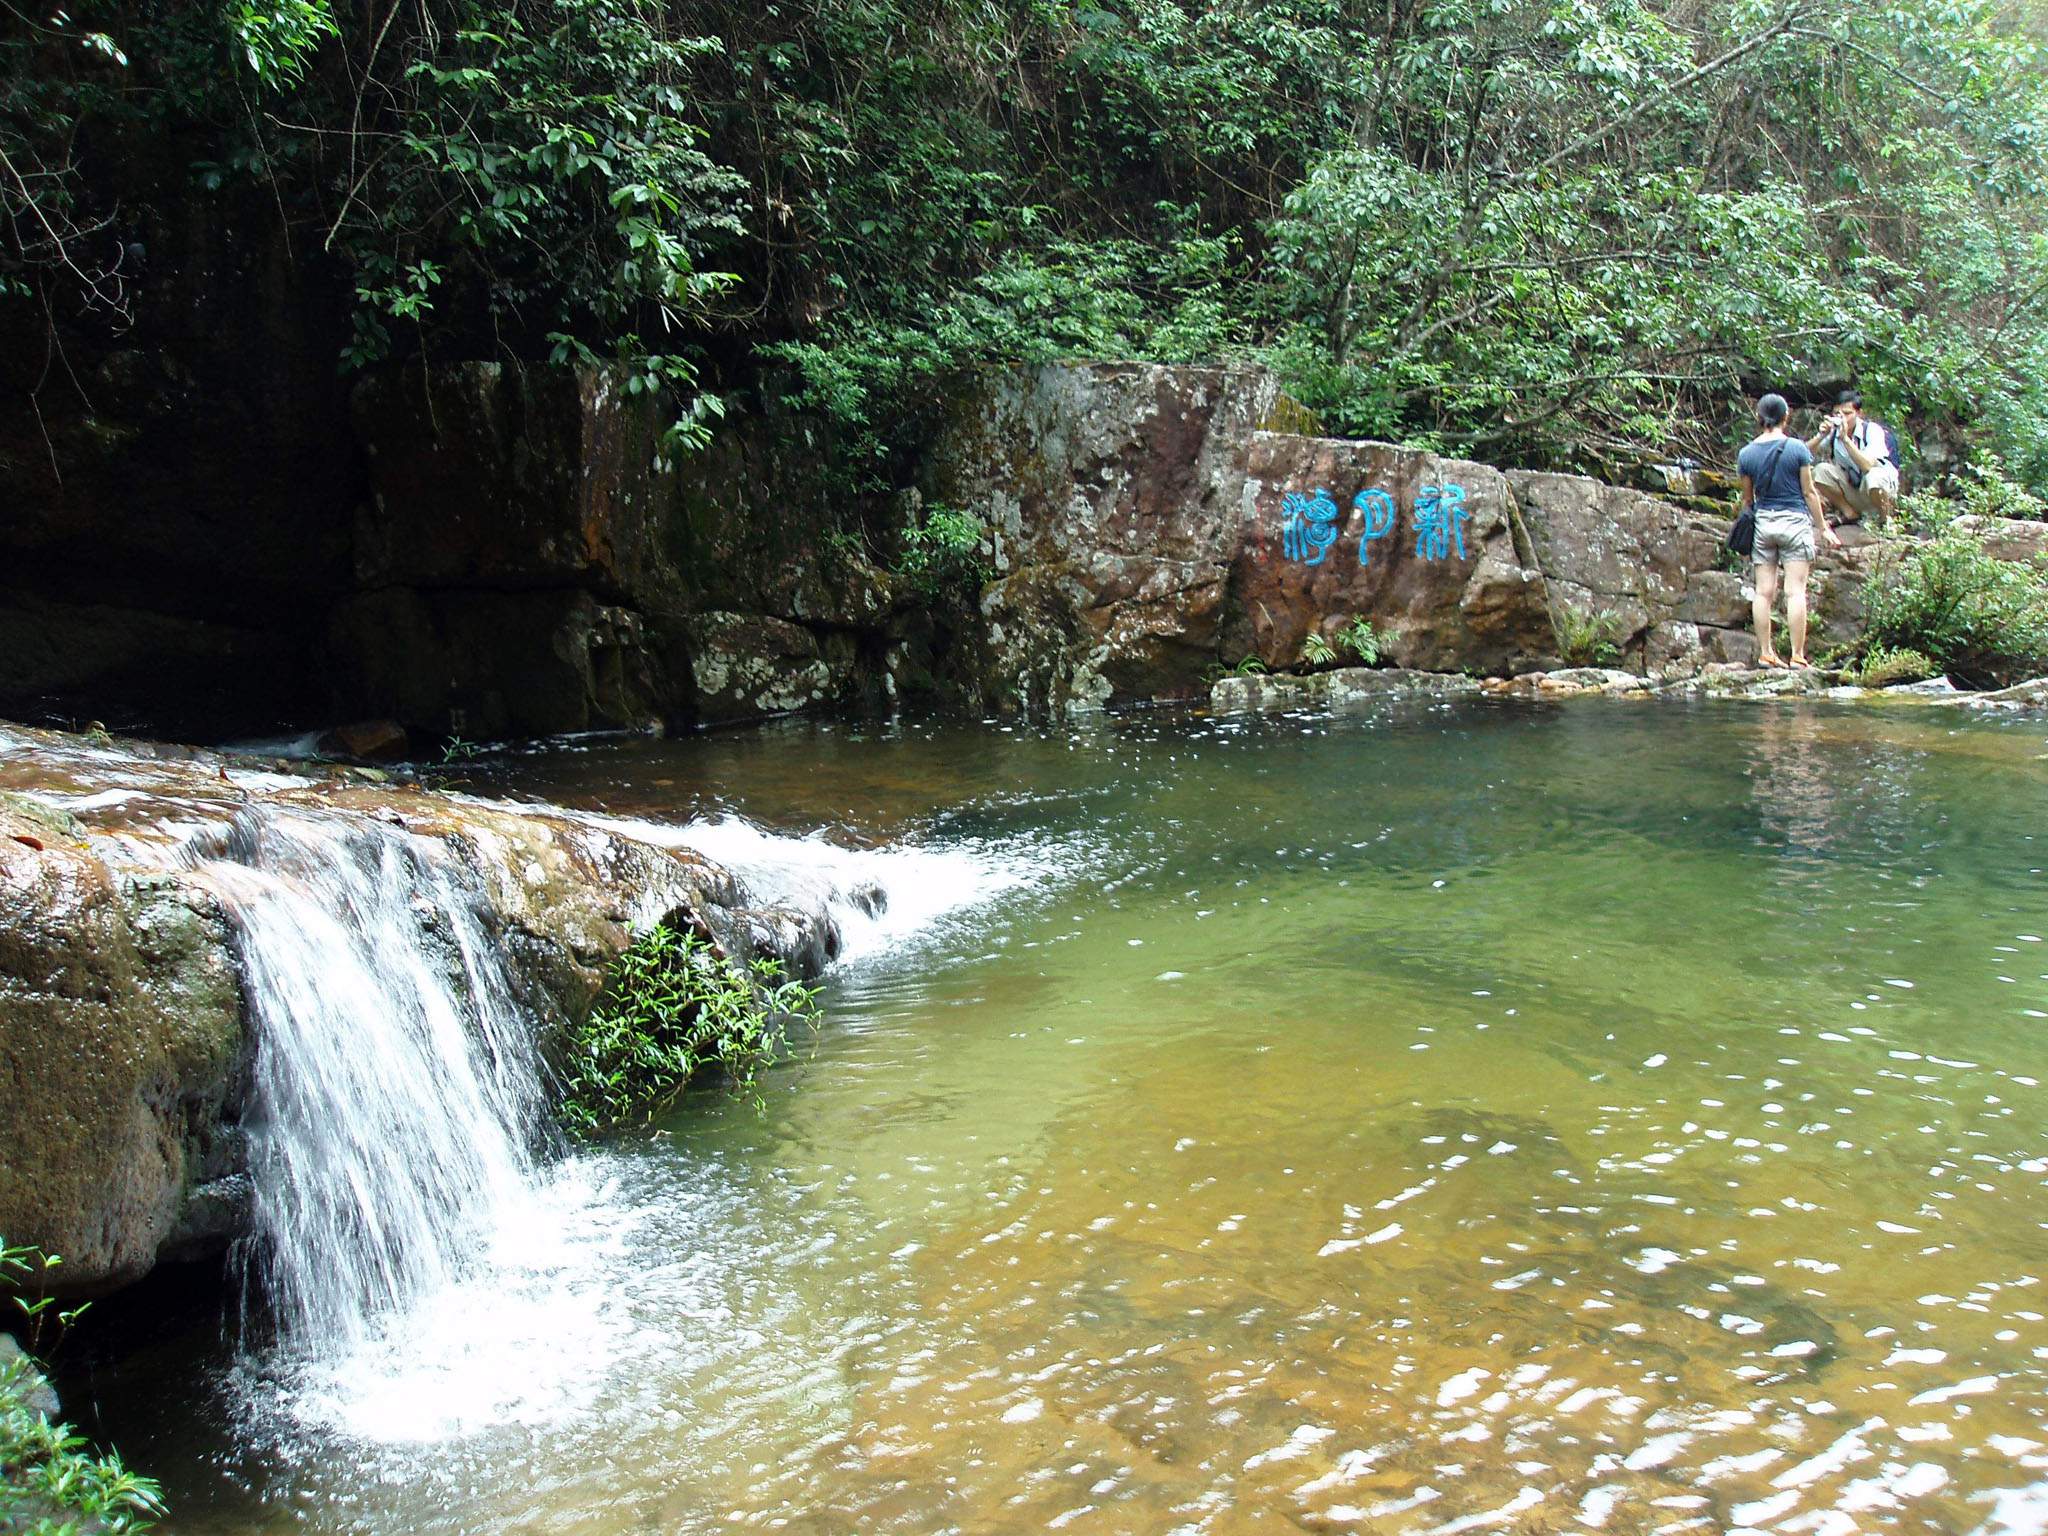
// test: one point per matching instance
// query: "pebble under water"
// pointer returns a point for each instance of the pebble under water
(1616, 1117)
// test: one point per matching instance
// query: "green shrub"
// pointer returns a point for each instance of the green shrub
(942, 555)
(1586, 638)
(1317, 651)
(674, 1009)
(1885, 666)
(1983, 489)
(1972, 615)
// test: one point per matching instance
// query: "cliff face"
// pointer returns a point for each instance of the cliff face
(530, 560)
(505, 551)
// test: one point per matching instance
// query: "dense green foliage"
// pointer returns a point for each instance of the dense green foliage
(674, 1009)
(51, 1481)
(1545, 230)
(1980, 619)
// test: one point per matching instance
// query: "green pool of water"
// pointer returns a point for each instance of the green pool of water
(1618, 1117)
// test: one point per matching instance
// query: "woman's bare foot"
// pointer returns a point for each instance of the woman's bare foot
(1802, 663)
(1768, 660)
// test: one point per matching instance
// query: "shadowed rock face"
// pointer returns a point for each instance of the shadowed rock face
(124, 1039)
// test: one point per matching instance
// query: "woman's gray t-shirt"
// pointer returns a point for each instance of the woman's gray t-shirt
(1783, 493)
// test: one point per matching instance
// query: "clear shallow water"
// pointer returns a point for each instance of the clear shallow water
(1618, 1117)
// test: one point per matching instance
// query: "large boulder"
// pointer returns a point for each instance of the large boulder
(1424, 549)
(120, 1045)
(1113, 492)
(1659, 573)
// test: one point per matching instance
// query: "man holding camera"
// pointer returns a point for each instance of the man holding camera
(1853, 468)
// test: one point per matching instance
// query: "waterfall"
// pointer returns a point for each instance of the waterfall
(396, 1094)
(431, 1274)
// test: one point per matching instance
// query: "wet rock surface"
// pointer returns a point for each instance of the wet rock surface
(124, 1034)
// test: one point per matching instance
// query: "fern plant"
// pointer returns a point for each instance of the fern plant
(1317, 651)
(675, 1009)
(1586, 638)
(1359, 639)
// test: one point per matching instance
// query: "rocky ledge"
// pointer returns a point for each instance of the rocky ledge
(124, 1030)
(1348, 687)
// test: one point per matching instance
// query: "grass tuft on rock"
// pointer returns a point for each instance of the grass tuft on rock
(1586, 638)
(1883, 667)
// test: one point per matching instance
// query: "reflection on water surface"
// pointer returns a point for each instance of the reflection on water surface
(1618, 1118)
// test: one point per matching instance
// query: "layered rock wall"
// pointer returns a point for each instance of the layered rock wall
(1149, 530)
(526, 555)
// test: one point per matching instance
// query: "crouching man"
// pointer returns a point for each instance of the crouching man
(1853, 468)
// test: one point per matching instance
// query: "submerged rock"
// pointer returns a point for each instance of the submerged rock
(368, 740)
(1276, 692)
(2032, 692)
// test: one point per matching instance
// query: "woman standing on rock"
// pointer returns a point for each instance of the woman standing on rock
(1777, 481)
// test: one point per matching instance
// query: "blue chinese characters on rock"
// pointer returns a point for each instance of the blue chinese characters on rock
(1376, 515)
(1439, 519)
(1309, 527)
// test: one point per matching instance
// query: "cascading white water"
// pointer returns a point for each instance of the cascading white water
(430, 1274)
(396, 1092)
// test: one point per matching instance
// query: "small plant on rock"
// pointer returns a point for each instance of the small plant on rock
(50, 1479)
(1251, 666)
(1316, 651)
(942, 555)
(1586, 638)
(26, 1274)
(1358, 638)
(1884, 666)
(674, 1009)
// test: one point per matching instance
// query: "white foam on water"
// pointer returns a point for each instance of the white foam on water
(919, 886)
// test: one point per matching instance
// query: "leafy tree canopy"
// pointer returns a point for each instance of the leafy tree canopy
(1540, 230)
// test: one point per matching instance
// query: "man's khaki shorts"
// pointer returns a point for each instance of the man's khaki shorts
(1882, 481)
(1782, 536)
